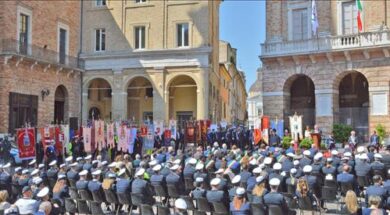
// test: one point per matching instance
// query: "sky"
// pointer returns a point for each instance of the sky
(242, 24)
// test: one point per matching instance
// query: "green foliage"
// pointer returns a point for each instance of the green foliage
(341, 132)
(381, 132)
(306, 143)
(286, 142)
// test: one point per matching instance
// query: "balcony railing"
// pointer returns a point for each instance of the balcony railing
(326, 44)
(15, 47)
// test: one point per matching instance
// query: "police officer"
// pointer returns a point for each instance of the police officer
(80, 164)
(276, 198)
(363, 168)
(53, 171)
(5, 177)
(23, 180)
(95, 186)
(292, 180)
(33, 175)
(189, 169)
(235, 183)
(42, 172)
(376, 189)
(329, 168)
(378, 168)
(277, 167)
(174, 178)
(87, 165)
(199, 191)
(215, 194)
(346, 177)
(141, 186)
(112, 167)
(306, 160)
(335, 158)
(288, 162)
(72, 174)
(82, 183)
(157, 178)
(123, 184)
(61, 189)
(252, 180)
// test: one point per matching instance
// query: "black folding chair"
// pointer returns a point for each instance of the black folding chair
(163, 210)
(72, 183)
(328, 194)
(189, 184)
(70, 205)
(257, 208)
(73, 193)
(124, 199)
(98, 196)
(274, 210)
(203, 205)
(190, 202)
(160, 191)
(306, 204)
(96, 208)
(147, 210)
(136, 200)
(111, 197)
(85, 195)
(344, 187)
(82, 207)
(220, 208)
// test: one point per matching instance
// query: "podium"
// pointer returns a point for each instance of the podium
(316, 137)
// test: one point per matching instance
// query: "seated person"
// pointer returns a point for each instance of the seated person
(239, 206)
(373, 207)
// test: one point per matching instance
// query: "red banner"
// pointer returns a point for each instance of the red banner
(26, 143)
(264, 128)
(256, 135)
(167, 134)
(144, 131)
(58, 140)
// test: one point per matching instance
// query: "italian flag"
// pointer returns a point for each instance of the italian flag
(359, 7)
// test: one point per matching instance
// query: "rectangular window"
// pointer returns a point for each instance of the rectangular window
(100, 39)
(62, 45)
(100, 3)
(349, 22)
(300, 24)
(23, 33)
(140, 1)
(139, 37)
(22, 109)
(182, 35)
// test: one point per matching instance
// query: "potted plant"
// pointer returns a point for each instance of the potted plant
(381, 132)
(286, 142)
(306, 143)
(341, 132)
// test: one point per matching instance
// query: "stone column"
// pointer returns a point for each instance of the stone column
(84, 110)
(157, 77)
(325, 109)
(379, 107)
(119, 97)
(202, 96)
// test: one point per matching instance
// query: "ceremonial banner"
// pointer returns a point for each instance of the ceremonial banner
(257, 131)
(65, 132)
(204, 124)
(296, 127)
(144, 130)
(26, 143)
(122, 138)
(167, 137)
(223, 124)
(265, 128)
(190, 133)
(99, 134)
(148, 144)
(87, 139)
(58, 141)
(279, 126)
(158, 127)
(110, 135)
(172, 127)
(131, 135)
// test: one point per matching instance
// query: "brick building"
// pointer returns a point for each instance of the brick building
(149, 59)
(340, 75)
(39, 70)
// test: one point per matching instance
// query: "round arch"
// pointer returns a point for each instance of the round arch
(99, 97)
(139, 99)
(182, 91)
(87, 82)
(299, 97)
(354, 101)
(61, 105)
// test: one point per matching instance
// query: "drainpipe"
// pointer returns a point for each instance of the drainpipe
(78, 57)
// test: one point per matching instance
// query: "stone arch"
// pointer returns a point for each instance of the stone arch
(140, 91)
(99, 95)
(299, 97)
(353, 101)
(182, 98)
(130, 78)
(88, 81)
(61, 105)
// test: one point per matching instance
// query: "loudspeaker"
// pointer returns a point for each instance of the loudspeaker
(74, 123)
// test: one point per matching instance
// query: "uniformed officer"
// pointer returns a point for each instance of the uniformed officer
(141, 186)
(277, 167)
(376, 189)
(61, 190)
(53, 171)
(36, 186)
(306, 160)
(42, 172)
(276, 198)
(215, 194)
(252, 180)
(335, 158)
(63, 169)
(245, 174)
(378, 168)
(268, 165)
(123, 184)
(311, 179)
(82, 183)
(33, 175)
(235, 183)
(288, 162)
(292, 180)
(189, 169)
(23, 180)
(174, 178)
(80, 164)
(329, 168)
(95, 186)
(87, 165)
(297, 166)
(31, 165)
(72, 174)
(157, 178)
(5, 177)
(69, 160)
(220, 174)
(95, 166)
(346, 177)
(112, 167)
(199, 190)
(363, 168)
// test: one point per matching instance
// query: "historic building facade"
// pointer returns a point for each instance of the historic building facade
(149, 59)
(39, 70)
(232, 86)
(339, 76)
(255, 100)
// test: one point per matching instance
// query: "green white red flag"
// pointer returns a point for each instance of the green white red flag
(359, 7)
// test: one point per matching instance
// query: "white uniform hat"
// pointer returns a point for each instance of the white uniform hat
(291, 155)
(41, 166)
(216, 144)
(335, 152)
(257, 170)
(111, 175)
(363, 157)
(199, 166)
(153, 163)
(329, 177)
(69, 159)
(95, 161)
(236, 179)
(296, 162)
(88, 157)
(53, 163)
(317, 157)
(260, 179)
(157, 168)
(104, 163)
(121, 172)
(79, 158)
(378, 156)
(360, 149)
(267, 160)
(199, 179)
(43, 192)
(83, 173)
(61, 176)
(277, 166)
(112, 165)
(293, 170)
(329, 160)
(37, 181)
(62, 165)
(253, 162)
(274, 182)
(32, 162)
(180, 204)
(307, 168)
(215, 181)
(306, 152)
(73, 164)
(8, 165)
(240, 191)
(348, 154)
(192, 161)
(97, 172)
(177, 161)
(140, 172)
(25, 171)
(17, 169)
(175, 167)
(34, 172)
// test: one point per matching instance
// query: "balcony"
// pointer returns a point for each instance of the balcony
(326, 44)
(39, 54)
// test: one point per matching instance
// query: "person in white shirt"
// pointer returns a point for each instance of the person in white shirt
(26, 204)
